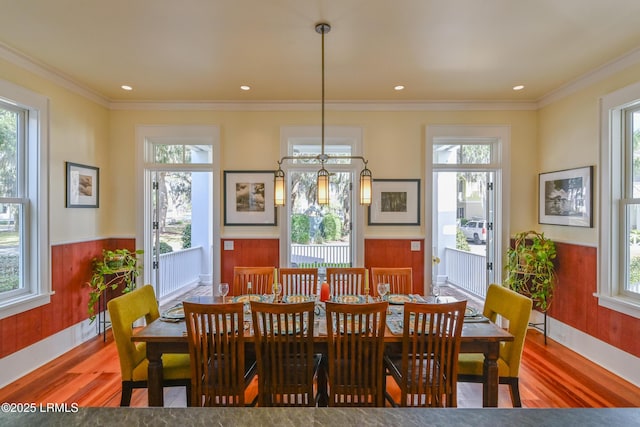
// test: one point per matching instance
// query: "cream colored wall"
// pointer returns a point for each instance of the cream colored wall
(569, 137)
(78, 132)
(393, 142)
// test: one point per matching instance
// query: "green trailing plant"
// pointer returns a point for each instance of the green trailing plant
(531, 268)
(119, 266)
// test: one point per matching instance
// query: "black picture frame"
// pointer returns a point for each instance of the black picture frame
(395, 202)
(566, 197)
(83, 186)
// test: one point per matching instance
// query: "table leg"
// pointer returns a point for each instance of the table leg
(490, 373)
(323, 397)
(155, 379)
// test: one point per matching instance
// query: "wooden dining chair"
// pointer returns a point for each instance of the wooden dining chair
(220, 372)
(355, 337)
(261, 279)
(299, 281)
(348, 280)
(516, 309)
(287, 365)
(400, 280)
(426, 369)
(123, 312)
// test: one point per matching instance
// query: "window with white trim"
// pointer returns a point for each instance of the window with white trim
(619, 260)
(24, 246)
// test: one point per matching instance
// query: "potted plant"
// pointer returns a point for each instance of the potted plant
(116, 267)
(531, 269)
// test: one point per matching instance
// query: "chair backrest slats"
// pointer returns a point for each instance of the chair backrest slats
(216, 344)
(400, 279)
(302, 281)
(348, 281)
(430, 348)
(261, 279)
(355, 335)
(284, 353)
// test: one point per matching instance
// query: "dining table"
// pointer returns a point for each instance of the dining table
(479, 335)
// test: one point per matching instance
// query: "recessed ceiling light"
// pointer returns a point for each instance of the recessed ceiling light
(398, 87)
(245, 87)
(518, 87)
(126, 87)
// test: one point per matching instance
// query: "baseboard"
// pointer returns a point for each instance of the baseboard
(620, 363)
(22, 362)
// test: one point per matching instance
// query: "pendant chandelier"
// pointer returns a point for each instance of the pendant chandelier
(322, 179)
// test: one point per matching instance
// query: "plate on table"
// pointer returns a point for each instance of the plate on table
(292, 299)
(291, 328)
(399, 299)
(470, 312)
(249, 297)
(174, 313)
(352, 327)
(349, 299)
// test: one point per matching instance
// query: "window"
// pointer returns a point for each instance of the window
(24, 248)
(619, 281)
(314, 235)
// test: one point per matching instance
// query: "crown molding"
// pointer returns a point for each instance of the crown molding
(55, 76)
(333, 106)
(43, 70)
(606, 70)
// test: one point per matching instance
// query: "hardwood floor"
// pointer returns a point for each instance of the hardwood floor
(551, 376)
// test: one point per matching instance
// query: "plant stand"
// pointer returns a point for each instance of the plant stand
(117, 277)
(103, 323)
(544, 327)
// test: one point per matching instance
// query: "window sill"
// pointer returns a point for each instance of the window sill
(620, 304)
(18, 305)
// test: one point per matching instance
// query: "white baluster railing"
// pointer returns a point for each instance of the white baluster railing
(467, 270)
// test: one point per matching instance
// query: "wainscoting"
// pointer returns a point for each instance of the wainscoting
(70, 270)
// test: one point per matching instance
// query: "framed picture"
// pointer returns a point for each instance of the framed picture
(566, 197)
(248, 198)
(83, 186)
(395, 202)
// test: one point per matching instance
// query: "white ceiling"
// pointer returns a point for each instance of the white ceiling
(203, 50)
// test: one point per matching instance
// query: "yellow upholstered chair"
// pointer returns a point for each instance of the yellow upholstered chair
(124, 311)
(516, 309)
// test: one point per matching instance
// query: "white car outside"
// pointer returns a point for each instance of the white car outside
(475, 231)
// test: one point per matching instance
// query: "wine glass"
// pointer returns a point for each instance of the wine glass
(224, 290)
(435, 291)
(277, 290)
(383, 289)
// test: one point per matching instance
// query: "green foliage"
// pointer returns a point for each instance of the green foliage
(634, 270)
(461, 241)
(531, 269)
(165, 248)
(331, 227)
(115, 267)
(186, 237)
(300, 228)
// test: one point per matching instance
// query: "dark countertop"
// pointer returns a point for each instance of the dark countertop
(309, 417)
